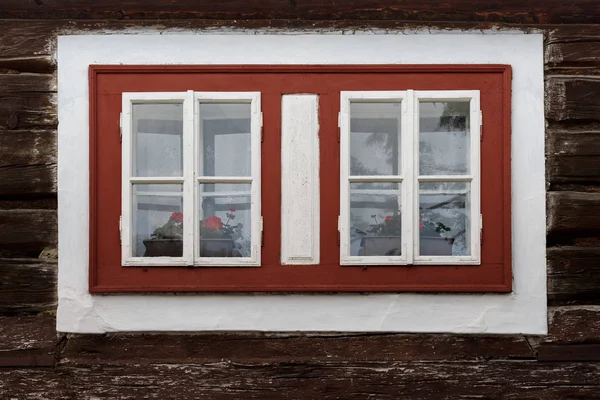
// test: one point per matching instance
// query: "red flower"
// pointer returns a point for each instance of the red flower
(421, 224)
(177, 216)
(213, 223)
(231, 209)
(388, 219)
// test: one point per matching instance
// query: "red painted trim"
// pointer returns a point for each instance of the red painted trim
(106, 84)
(93, 269)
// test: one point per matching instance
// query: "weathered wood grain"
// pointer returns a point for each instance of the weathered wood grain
(27, 358)
(574, 324)
(27, 232)
(26, 82)
(572, 214)
(125, 349)
(25, 110)
(574, 352)
(27, 162)
(573, 98)
(47, 202)
(526, 11)
(572, 34)
(39, 65)
(27, 285)
(334, 380)
(573, 275)
(27, 147)
(28, 333)
(573, 156)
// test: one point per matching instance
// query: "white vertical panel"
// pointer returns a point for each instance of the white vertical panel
(299, 179)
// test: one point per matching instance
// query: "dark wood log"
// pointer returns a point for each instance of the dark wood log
(124, 349)
(30, 147)
(572, 34)
(28, 285)
(573, 352)
(572, 214)
(574, 324)
(28, 110)
(573, 98)
(26, 82)
(27, 232)
(527, 11)
(28, 162)
(40, 65)
(27, 358)
(28, 333)
(573, 156)
(333, 380)
(47, 202)
(573, 275)
(573, 54)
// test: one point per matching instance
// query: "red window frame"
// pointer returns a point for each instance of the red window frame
(108, 82)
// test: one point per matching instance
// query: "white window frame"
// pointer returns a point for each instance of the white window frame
(191, 178)
(409, 177)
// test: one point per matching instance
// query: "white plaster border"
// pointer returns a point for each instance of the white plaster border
(523, 311)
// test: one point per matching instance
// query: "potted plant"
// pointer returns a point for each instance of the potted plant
(217, 238)
(383, 236)
(166, 240)
(431, 239)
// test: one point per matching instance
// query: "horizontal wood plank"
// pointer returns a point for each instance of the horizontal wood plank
(40, 65)
(26, 82)
(27, 147)
(334, 380)
(572, 156)
(147, 349)
(27, 358)
(526, 11)
(28, 332)
(27, 232)
(574, 324)
(25, 110)
(572, 214)
(28, 285)
(573, 274)
(570, 98)
(573, 352)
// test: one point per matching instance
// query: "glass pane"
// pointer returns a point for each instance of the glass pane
(375, 223)
(157, 220)
(443, 138)
(444, 219)
(225, 220)
(375, 138)
(158, 139)
(225, 139)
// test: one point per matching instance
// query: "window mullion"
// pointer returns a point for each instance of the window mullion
(189, 181)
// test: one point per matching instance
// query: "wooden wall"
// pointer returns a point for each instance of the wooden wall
(35, 362)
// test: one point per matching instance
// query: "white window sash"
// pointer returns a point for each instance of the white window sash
(127, 179)
(409, 177)
(472, 96)
(190, 179)
(346, 179)
(254, 179)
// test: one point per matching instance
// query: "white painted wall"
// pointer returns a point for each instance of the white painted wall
(523, 311)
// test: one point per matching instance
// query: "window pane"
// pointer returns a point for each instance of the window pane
(444, 219)
(444, 138)
(374, 138)
(158, 139)
(157, 220)
(225, 220)
(225, 139)
(375, 223)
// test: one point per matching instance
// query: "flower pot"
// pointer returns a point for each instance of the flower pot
(381, 246)
(435, 246)
(216, 247)
(163, 248)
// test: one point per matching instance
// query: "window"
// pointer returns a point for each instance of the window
(186, 200)
(410, 178)
(89, 100)
(357, 173)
